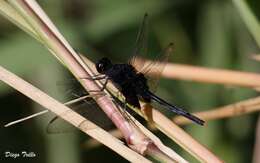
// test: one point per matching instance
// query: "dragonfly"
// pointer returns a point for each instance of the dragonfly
(137, 85)
(131, 79)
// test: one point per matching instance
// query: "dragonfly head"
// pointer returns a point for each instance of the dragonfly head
(103, 65)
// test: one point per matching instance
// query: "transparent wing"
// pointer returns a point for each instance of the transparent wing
(140, 59)
(70, 87)
(140, 49)
(153, 69)
(88, 109)
(58, 125)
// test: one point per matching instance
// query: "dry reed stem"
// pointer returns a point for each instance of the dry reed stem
(91, 143)
(67, 114)
(210, 75)
(231, 110)
(26, 118)
(15, 18)
(43, 112)
(182, 138)
(153, 151)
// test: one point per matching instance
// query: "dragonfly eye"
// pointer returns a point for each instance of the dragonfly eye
(100, 68)
(103, 65)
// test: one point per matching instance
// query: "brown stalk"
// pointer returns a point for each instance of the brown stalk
(235, 109)
(182, 138)
(90, 143)
(210, 75)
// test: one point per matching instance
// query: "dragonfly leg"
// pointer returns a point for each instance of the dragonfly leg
(103, 86)
(95, 77)
(122, 108)
(98, 77)
(124, 112)
(127, 115)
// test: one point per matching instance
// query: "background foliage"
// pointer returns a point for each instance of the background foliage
(206, 33)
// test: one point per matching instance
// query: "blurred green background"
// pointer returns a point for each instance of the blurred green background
(205, 33)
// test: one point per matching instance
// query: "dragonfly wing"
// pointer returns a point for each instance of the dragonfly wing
(88, 109)
(153, 69)
(58, 125)
(140, 48)
(140, 62)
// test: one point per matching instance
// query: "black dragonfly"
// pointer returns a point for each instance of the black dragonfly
(134, 84)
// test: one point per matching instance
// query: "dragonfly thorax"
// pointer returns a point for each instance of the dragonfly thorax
(121, 73)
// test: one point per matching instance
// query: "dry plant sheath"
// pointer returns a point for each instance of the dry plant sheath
(70, 116)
